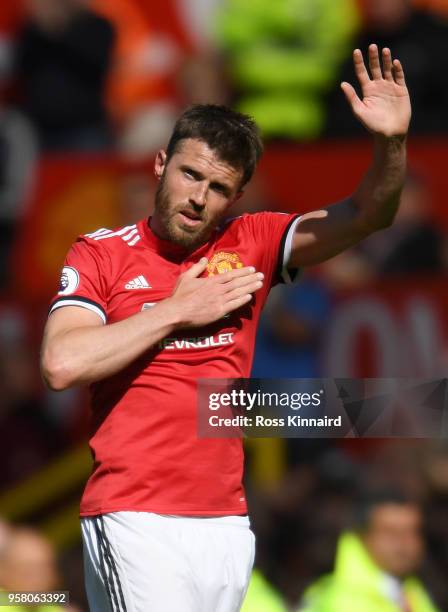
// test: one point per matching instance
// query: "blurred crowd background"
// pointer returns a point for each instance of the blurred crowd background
(89, 90)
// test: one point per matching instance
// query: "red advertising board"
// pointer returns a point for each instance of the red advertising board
(394, 329)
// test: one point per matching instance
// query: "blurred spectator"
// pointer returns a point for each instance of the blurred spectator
(283, 56)
(11, 15)
(203, 77)
(375, 565)
(141, 82)
(23, 411)
(204, 80)
(291, 330)
(435, 469)
(17, 159)
(303, 516)
(198, 18)
(4, 535)
(261, 596)
(63, 57)
(420, 40)
(28, 563)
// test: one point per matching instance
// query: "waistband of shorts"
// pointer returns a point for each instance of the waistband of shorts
(235, 520)
(231, 520)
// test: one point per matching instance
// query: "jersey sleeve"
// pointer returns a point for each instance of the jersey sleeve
(83, 279)
(273, 233)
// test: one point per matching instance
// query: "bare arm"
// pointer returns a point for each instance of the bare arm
(385, 111)
(78, 349)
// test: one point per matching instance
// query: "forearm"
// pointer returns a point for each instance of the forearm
(77, 350)
(377, 198)
(323, 234)
(86, 354)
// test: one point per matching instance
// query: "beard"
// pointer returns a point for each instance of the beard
(183, 235)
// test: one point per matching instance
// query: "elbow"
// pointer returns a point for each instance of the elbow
(390, 220)
(385, 222)
(387, 218)
(55, 373)
(373, 218)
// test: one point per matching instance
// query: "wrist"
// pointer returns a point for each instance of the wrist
(396, 140)
(171, 313)
(389, 149)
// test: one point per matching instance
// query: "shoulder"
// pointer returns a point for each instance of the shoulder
(246, 220)
(260, 217)
(126, 236)
(257, 223)
(106, 245)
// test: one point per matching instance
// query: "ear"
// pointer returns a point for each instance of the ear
(160, 164)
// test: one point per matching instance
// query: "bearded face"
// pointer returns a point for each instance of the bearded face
(177, 229)
(196, 189)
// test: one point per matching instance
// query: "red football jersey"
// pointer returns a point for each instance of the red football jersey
(147, 456)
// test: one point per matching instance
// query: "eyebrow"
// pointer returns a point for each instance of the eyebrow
(198, 175)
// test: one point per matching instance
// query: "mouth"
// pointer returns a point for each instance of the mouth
(190, 218)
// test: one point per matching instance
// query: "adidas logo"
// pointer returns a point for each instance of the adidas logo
(139, 282)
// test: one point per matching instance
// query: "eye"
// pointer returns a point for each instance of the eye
(219, 189)
(190, 174)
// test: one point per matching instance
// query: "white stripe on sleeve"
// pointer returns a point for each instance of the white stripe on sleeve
(287, 253)
(82, 304)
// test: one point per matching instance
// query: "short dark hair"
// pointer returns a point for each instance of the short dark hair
(235, 137)
(368, 501)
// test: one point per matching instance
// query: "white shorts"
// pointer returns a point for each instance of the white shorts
(143, 562)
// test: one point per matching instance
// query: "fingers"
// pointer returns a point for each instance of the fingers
(390, 71)
(237, 273)
(240, 296)
(387, 64)
(360, 69)
(241, 291)
(199, 267)
(244, 290)
(350, 94)
(374, 63)
(244, 281)
(196, 269)
(398, 72)
(237, 303)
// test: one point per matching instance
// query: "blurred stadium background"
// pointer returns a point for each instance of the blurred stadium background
(88, 92)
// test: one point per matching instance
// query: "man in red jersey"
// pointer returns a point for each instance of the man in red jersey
(146, 310)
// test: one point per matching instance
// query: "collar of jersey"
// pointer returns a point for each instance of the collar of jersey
(168, 249)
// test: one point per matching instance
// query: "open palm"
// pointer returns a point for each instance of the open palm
(385, 108)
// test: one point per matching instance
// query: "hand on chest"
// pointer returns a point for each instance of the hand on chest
(147, 280)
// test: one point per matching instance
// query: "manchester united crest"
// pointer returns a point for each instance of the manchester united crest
(223, 262)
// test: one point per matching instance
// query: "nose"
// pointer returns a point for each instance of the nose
(198, 197)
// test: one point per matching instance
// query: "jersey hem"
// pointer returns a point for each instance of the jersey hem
(183, 512)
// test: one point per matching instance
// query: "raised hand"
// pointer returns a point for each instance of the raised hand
(385, 107)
